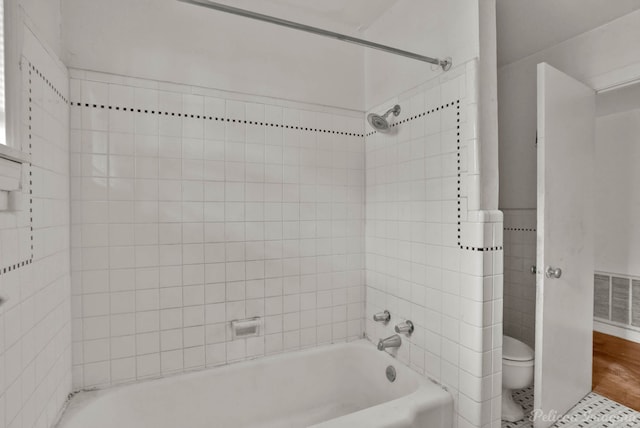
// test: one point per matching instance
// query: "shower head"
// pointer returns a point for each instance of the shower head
(380, 123)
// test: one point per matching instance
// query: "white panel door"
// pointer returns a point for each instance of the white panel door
(564, 302)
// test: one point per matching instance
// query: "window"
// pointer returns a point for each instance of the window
(10, 140)
(11, 158)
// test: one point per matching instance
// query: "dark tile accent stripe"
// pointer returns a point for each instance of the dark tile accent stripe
(481, 249)
(620, 300)
(459, 202)
(16, 266)
(459, 177)
(219, 119)
(601, 296)
(34, 70)
(520, 229)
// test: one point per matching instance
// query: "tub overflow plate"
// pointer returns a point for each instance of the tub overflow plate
(391, 373)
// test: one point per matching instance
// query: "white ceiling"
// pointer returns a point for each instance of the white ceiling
(524, 26)
(528, 26)
(336, 15)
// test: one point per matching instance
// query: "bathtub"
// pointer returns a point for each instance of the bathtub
(342, 385)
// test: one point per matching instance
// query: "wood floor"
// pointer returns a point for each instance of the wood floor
(616, 369)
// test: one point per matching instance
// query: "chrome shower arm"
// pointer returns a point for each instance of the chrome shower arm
(395, 110)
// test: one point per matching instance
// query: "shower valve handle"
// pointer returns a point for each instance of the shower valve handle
(405, 327)
(382, 317)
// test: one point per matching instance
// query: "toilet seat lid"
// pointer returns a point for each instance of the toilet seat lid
(514, 350)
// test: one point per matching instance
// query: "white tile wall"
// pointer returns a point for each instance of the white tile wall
(424, 242)
(35, 321)
(519, 283)
(191, 208)
(181, 224)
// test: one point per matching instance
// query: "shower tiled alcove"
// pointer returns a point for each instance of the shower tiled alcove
(192, 207)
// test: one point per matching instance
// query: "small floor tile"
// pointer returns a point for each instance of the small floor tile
(592, 411)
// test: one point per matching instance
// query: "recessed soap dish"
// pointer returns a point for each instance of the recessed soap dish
(249, 327)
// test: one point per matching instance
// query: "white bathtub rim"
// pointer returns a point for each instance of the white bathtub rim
(234, 365)
(84, 398)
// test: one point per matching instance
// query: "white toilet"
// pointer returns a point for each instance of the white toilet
(517, 373)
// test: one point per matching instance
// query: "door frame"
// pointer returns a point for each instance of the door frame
(615, 79)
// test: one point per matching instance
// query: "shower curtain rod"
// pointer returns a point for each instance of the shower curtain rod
(444, 63)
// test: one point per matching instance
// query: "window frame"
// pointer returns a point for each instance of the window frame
(9, 153)
(12, 149)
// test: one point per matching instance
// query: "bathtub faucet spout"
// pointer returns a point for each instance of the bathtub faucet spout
(390, 342)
